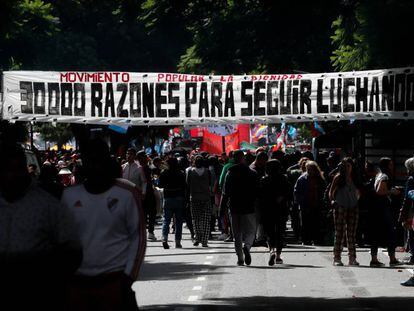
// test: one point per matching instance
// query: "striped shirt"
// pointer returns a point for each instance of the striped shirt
(111, 227)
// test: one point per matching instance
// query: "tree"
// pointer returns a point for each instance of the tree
(257, 36)
(27, 27)
(59, 133)
(373, 34)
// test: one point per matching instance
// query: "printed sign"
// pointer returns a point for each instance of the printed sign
(175, 99)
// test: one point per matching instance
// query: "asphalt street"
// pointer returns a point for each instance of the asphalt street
(196, 278)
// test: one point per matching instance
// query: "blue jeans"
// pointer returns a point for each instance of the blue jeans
(173, 206)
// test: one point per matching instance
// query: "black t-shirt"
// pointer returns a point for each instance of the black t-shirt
(173, 183)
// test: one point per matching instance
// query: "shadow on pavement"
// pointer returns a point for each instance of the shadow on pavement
(293, 304)
(170, 271)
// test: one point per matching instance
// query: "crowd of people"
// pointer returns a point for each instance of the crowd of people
(108, 204)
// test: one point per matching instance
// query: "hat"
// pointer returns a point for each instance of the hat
(61, 163)
(64, 171)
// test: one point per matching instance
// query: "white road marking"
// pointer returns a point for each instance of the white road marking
(192, 298)
(201, 278)
(207, 263)
(204, 271)
(197, 287)
(209, 257)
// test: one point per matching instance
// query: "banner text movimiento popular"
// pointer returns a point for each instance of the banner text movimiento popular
(180, 98)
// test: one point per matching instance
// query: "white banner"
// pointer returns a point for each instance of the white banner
(174, 99)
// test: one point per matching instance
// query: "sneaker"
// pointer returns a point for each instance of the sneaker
(410, 261)
(409, 282)
(395, 263)
(151, 237)
(279, 261)
(196, 243)
(338, 263)
(229, 239)
(222, 237)
(204, 245)
(272, 259)
(376, 264)
(240, 262)
(247, 256)
(178, 244)
(353, 263)
(165, 245)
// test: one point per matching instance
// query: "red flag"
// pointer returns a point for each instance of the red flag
(212, 143)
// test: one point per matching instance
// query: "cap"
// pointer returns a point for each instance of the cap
(64, 171)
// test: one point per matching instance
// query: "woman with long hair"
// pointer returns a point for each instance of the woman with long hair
(309, 191)
(198, 187)
(344, 197)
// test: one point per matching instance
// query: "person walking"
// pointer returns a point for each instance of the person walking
(240, 193)
(293, 174)
(198, 189)
(273, 203)
(344, 199)
(259, 166)
(309, 192)
(172, 181)
(40, 247)
(407, 214)
(384, 190)
(224, 213)
(111, 225)
(215, 170)
(133, 172)
(149, 202)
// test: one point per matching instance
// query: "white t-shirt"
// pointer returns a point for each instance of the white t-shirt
(111, 228)
(135, 174)
(379, 178)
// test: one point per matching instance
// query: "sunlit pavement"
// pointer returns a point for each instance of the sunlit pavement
(196, 278)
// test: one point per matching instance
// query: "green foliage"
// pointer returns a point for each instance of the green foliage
(28, 26)
(305, 132)
(59, 133)
(205, 36)
(373, 34)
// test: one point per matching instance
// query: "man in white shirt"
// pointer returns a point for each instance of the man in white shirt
(133, 172)
(111, 227)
